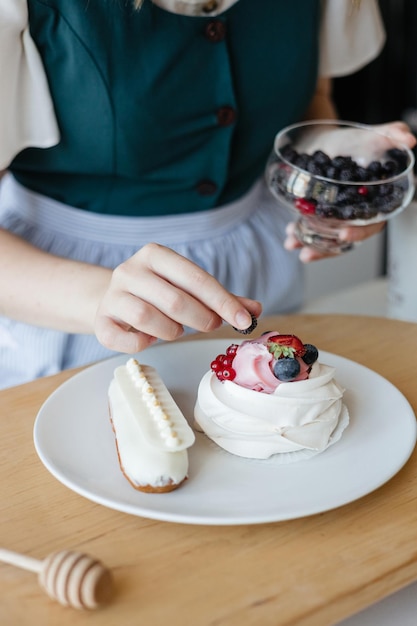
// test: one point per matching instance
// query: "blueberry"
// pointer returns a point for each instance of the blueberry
(361, 174)
(365, 211)
(399, 156)
(347, 213)
(289, 153)
(350, 173)
(375, 169)
(386, 189)
(392, 201)
(332, 172)
(326, 210)
(286, 369)
(390, 168)
(342, 161)
(321, 157)
(302, 161)
(346, 195)
(315, 168)
(382, 201)
(311, 354)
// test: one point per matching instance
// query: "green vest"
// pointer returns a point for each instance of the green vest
(161, 113)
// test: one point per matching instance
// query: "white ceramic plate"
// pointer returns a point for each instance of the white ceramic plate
(74, 440)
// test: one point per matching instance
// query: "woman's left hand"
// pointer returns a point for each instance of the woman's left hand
(348, 234)
(402, 134)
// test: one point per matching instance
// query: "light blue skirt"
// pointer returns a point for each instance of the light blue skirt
(241, 244)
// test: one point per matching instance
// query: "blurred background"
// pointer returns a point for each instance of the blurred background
(386, 89)
(376, 278)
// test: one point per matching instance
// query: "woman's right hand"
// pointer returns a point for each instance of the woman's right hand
(157, 292)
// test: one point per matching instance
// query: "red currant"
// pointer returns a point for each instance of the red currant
(228, 373)
(305, 206)
(232, 349)
(215, 365)
(363, 191)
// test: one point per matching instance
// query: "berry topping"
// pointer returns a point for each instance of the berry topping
(264, 363)
(311, 354)
(286, 369)
(250, 328)
(227, 373)
(286, 346)
(215, 365)
(222, 364)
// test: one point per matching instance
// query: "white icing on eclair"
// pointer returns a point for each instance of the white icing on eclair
(151, 432)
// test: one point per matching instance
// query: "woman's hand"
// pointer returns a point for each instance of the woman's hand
(399, 131)
(152, 295)
(348, 234)
(157, 292)
(401, 134)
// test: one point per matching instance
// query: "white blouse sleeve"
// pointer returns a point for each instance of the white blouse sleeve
(27, 115)
(352, 35)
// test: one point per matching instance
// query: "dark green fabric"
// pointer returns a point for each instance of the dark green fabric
(137, 93)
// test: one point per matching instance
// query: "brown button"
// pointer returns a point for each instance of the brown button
(206, 187)
(215, 31)
(210, 6)
(226, 116)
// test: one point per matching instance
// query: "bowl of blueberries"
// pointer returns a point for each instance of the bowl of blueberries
(333, 173)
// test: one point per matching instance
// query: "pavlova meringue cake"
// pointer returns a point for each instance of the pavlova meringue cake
(270, 396)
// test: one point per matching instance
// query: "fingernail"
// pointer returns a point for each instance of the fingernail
(248, 329)
(243, 319)
(343, 235)
(305, 255)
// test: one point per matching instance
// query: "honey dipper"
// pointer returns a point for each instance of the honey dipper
(72, 578)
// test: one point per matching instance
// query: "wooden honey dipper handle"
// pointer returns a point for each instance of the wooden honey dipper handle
(72, 578)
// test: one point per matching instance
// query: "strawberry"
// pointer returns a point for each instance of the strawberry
(285, 346)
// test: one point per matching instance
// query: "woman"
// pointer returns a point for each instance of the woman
(135, 139)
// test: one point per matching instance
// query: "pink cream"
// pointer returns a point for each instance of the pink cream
(253, 365)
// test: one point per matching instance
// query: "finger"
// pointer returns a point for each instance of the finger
(135, 313)
(349, 234)
(124, 336)
(291, 241)
(399, 131)
(307, 254)
(253, 306)
(199, 285)
(121, 338)
(360, 233)
(158, 307)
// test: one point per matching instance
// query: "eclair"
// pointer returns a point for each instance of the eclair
(151, 433)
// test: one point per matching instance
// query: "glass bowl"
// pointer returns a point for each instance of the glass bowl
(336, 173)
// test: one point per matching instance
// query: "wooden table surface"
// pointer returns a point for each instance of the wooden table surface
(312, 571)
